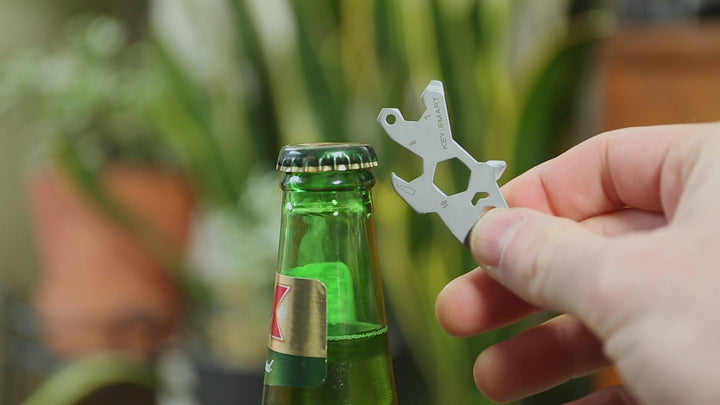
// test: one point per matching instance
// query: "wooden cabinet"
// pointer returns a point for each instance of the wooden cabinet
(660, 75)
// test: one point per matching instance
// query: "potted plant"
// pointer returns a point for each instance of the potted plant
(111, 211)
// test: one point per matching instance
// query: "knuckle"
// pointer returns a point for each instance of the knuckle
(540, 272)
(540, 256)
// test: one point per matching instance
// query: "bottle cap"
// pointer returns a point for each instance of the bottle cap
(325, 157)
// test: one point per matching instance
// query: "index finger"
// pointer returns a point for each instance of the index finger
(633, 167)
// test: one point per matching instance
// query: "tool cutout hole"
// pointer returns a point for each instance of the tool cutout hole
(452, 176)
(390, 119)
(407, 165)
(479, 196)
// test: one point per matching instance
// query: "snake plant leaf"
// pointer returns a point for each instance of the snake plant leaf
(260, 104)
(84, 379)
(184, 118)
(546, 112)
(320, 57)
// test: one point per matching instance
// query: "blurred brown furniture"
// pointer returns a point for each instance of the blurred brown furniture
(661, 74)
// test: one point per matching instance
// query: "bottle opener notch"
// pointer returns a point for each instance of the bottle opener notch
(430, 138)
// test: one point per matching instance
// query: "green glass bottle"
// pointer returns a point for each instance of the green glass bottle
(328, 339)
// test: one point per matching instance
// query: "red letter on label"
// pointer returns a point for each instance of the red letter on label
(280, 293)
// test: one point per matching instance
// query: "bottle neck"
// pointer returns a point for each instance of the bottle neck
(328, 181)
(328, 234)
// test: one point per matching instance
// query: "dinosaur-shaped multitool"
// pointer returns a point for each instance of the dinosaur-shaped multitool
(431, 139)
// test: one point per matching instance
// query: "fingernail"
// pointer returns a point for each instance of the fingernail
(492, 270)
(491, 233)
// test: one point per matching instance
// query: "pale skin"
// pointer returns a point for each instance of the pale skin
(620, 235)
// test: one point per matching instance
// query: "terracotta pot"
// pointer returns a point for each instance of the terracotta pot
(100, 288)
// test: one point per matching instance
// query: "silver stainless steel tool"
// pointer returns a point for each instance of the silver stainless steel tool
(431, 139)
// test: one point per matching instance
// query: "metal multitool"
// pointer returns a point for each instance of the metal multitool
(430, 138)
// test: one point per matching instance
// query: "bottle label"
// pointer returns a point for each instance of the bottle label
(297, 348)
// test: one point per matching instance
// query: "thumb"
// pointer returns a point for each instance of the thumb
(548, 261)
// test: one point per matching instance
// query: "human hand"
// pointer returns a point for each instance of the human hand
(621, 235)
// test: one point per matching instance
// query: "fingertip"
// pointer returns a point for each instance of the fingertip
(487, 378)
(450, 307)
(461, 307)
(441, 306)
(474, 303)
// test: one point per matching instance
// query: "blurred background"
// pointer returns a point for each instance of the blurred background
(139, 207)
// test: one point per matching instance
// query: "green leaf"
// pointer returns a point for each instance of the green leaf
(183, 115)
(317, 27)
(547, 113)
(260, 106)
(83, 378)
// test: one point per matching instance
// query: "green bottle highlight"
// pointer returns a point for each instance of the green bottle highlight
(328, 340)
